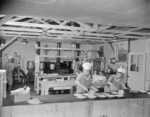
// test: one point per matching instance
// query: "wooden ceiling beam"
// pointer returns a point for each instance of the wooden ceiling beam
(55, 33)
(86, 26)
(17, 18)
(101, 28)
(55, 37)
(2, 16)
(119, 31)
(8, 43)
(20, 29)
(129, 31)
(52, 31)
(5, 19)
(42, 25)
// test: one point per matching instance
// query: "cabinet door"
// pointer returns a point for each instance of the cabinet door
(136, 71)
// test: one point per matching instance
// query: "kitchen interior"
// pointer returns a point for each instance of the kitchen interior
(45, 38)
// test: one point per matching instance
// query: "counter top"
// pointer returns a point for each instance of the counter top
(61, 98)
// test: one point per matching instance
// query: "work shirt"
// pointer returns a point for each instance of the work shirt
(86, 81)
(113, 67)
(9, 66)
(118, 83)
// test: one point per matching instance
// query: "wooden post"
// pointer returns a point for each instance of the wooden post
(2, 86)
(129, 40)
(0, 59)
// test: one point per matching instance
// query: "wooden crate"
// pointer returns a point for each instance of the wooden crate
(2, 85)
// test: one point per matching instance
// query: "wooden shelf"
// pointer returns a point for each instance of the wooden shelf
(48, 56)
(63, 49)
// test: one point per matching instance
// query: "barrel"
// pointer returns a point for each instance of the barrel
(30, 65)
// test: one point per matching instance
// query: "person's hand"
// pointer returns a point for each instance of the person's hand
(113, 88)
(85, 89)
(95, 89)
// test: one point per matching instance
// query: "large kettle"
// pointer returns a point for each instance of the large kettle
(52, 66)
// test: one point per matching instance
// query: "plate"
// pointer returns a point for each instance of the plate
(105, 94)
(80, 96)
(110, 96)
(115, 93)
(91, 96)
(148, 93)
(100, 95)
(143, 91)
(121, 92)
(34, 101)
(134, 91)
(86, 94)
(76, 94)
(119, 96)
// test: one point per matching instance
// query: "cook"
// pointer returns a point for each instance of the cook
(84, 80)
(116, 81)
(10, 66)
(112, 66)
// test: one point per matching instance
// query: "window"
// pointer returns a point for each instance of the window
(136, 63)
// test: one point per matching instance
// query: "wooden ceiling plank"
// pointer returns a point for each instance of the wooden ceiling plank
(42, 21)
(118, 31)
(42, 25)
(129, 31)
(78, 33)
(52, 31)
(8, 43)
(17, 18)
(86, 26)
(30, 20)
(21, 33)
(20, 29)
(101, 28)
(52, 36)
(2, 16)
(5, 19)
(63, 23)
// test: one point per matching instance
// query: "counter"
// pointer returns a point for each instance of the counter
(61, 98)
(132, 105)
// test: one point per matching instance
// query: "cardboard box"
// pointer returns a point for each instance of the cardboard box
(21, 97)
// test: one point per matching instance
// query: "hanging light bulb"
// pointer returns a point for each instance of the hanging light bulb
(73, 44)
(24, 41)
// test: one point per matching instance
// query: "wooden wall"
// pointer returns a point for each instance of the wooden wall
(104, 108)
(25, 51)
(91, 55)
(138, 46)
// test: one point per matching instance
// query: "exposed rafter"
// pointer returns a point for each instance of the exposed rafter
(54, 29)
(5, 19)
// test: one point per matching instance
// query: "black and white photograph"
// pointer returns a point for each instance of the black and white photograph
(74, 58)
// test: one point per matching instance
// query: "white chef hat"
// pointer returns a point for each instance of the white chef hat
(121, 70)
(87, 66)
